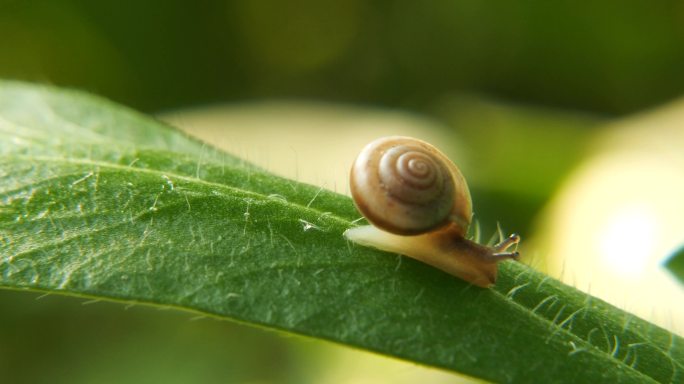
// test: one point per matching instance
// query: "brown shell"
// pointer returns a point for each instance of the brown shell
(406, 186)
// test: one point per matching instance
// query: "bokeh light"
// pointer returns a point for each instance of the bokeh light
(619, 217)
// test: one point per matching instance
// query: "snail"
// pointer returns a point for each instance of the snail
(419, 206)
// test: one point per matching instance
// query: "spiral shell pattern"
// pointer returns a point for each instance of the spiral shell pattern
(406, 186)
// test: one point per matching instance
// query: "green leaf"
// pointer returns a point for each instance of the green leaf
(676, 264)
(98, 201)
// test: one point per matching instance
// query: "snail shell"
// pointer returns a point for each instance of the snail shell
(406, 186)
(419, 204)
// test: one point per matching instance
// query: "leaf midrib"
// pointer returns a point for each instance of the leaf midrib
(246, 193)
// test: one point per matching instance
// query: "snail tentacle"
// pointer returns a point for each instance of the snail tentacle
(507, 242)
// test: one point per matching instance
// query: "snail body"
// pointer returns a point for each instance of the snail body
(419, 205)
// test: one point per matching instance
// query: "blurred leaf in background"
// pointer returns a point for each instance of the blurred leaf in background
(610, 58)
(63, 340)
(676, 264)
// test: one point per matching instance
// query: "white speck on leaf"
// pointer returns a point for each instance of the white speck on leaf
(153, 208)
(246, 215)
(307, 226)
(169, 183)
(276, 196)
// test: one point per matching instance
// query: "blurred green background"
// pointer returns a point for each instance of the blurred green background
(611, 57)
(523, 88)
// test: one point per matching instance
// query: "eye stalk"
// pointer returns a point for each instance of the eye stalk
(419, 205)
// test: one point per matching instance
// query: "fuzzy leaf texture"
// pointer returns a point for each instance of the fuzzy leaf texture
(99, 201)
